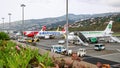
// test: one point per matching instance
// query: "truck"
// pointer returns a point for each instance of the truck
(81, 52)
(60, 49)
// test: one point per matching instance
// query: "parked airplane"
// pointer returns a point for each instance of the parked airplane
(44, 33)
(33, 33)
(106, 32)
(92, 35)
(47, 34)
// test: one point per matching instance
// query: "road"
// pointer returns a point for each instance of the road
(111, 55)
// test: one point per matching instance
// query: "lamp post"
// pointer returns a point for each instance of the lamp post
(9, 19)
(67, 25)
(3, 23)
(22, 5)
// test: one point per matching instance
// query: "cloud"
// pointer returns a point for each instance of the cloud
(113, 3)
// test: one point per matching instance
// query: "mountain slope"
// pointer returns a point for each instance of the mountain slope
(50, 22)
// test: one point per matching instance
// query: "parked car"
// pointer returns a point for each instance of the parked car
(99, 47)
(21, 40)
(61, 41)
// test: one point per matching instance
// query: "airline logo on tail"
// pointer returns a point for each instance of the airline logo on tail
(43, 28)
(65, 28)
(108, 28)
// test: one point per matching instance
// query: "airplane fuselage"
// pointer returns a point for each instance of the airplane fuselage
(42, 33)
(55, 33)
(89, 34)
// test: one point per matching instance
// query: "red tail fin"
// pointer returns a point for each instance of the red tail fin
(64, 29)
(43, 28)
(24, 32)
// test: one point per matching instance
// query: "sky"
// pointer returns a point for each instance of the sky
(38, 9)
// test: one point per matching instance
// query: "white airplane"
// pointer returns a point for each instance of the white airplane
(47, 34)
(107, 32)
(92, 34)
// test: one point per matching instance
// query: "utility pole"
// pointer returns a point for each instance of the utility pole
(22, 5)
(3, 23)
(67, 25)
(9, 19)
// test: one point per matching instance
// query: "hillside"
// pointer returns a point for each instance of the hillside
(82, 19)
(93, 23)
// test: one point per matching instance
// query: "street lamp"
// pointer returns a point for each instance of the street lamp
(67, 25)
(3, 23)
(9, 19)
(22, 5)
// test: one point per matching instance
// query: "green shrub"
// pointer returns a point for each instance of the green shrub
(11, 57)
(4, 36)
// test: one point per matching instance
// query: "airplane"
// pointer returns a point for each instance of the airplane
(105, 33)
(47, 34)
(43, 33)
(85, 35)
(33, 33)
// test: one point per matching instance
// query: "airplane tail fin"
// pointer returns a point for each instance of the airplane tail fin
(64, 29)
(24, 32)
(64, 36)
(58, 29)
(108, 28)
(43, 28)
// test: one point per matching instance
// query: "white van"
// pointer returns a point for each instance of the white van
(61, 41)
(99, 47)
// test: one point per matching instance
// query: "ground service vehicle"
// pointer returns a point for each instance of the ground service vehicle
(58, 48)
(30, 40)
(93, 40)
(81, 52)
(61, 41)
(99, 47)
